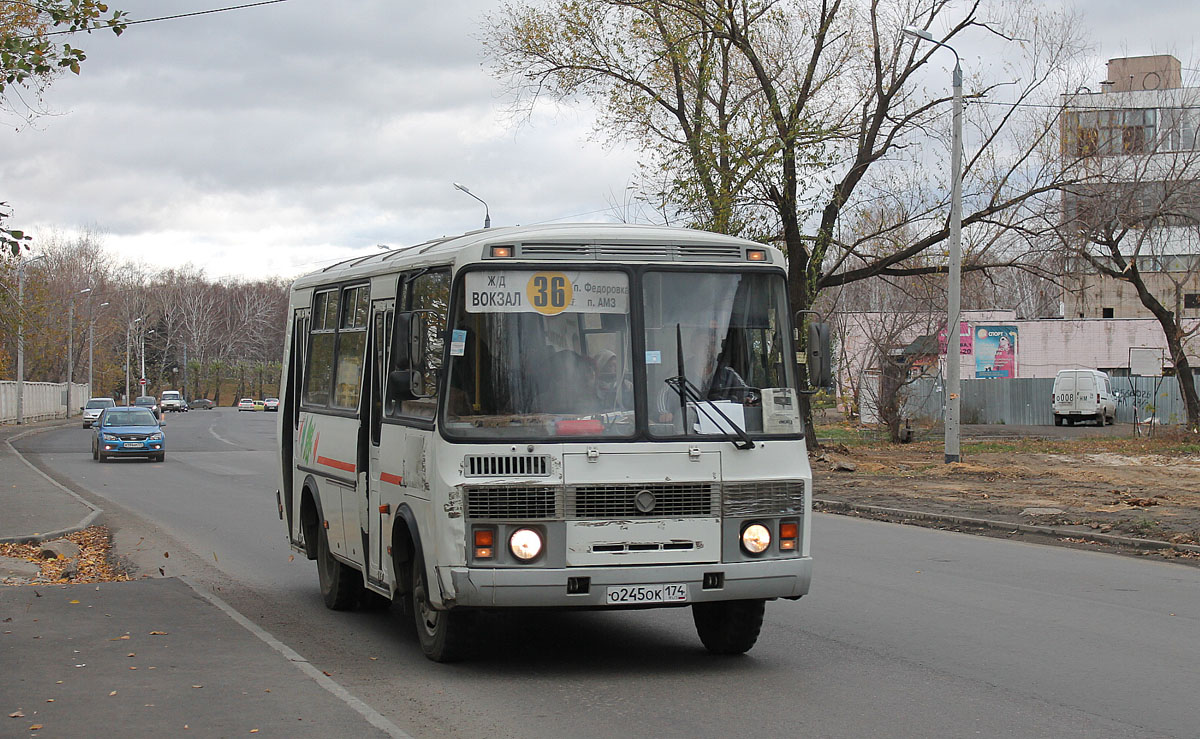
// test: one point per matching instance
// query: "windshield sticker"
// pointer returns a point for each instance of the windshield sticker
(547, 292)
(654, 357)
(458, 342)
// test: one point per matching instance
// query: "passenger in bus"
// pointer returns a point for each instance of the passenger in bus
(614, 387)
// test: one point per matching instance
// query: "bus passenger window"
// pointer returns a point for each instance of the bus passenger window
(352, 342)
(320, 358)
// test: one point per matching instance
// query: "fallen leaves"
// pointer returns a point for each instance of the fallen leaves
(92, 565)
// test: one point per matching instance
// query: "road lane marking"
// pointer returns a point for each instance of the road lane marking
(212, 430)
(373, 717)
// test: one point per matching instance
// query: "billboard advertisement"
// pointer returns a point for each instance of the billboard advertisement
(964, 338)
(995, 352)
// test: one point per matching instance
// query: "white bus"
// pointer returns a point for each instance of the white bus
(500, 420)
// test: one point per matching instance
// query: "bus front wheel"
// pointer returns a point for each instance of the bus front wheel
(729, 627)
(442, 634)
(341, 585)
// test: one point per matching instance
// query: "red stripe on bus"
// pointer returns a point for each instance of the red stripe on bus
(389, 477)
(336, 464)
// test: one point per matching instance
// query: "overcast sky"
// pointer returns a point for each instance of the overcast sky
(277, 139)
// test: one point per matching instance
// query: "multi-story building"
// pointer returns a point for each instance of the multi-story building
(1136, 139)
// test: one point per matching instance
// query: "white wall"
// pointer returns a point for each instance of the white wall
(40, 401)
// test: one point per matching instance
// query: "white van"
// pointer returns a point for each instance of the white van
(1083, 394)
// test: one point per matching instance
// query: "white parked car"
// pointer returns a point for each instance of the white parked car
(1083, 395)
(94, 407)
(247, 404)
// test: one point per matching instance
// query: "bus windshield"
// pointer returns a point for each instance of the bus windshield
(541, 354)
(548, 354)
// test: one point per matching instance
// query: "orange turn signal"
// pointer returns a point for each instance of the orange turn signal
(756, 255)
(789, 530)
(484, 537)
(501, 251)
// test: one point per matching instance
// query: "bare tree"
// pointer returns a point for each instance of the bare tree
(781, 120)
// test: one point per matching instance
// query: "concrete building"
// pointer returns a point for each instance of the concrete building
(1137, 139)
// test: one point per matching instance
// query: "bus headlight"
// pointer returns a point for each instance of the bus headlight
(525, 544)
(756, 538)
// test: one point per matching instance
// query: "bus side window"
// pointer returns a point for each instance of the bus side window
(351, 346)
(319, 373)
(428, 291)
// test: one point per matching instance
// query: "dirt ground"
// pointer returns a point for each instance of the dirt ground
(1108, 482)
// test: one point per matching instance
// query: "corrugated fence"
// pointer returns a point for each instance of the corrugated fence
(1027, 401)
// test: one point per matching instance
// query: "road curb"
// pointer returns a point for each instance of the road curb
(85, 522)
(834, 506)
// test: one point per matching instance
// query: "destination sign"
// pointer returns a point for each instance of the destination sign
(547, 292)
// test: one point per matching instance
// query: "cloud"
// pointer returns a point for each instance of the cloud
(269, 139)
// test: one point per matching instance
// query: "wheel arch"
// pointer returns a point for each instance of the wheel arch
(405, 544)
(311, 515)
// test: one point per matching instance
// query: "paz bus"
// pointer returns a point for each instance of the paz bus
(566, 416)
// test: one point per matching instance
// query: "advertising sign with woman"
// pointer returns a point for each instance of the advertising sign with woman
(995, 352)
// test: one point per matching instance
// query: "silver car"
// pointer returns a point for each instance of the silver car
(92, 410)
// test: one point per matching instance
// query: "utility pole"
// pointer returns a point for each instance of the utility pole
(91, 341)
(71, 345)
(128, 328)
(954, 289)
(21, 335)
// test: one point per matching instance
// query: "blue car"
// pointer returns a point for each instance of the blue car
(128, 431)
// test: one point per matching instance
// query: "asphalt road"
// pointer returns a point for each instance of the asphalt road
(908, 631)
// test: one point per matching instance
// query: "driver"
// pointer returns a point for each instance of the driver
(700, 354)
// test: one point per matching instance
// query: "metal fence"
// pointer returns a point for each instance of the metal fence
(1026, 401)
(40, 400)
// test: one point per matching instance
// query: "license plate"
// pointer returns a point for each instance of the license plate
(630, 594)
(133, 445)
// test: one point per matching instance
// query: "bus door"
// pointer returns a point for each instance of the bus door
(292, 395)
(382, 313)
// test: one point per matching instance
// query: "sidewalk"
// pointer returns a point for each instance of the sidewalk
(33, 508)
(155, 657)
(151, 657)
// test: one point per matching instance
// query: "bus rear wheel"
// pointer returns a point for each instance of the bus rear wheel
(729, 627)
(341, 585)
(443, 634)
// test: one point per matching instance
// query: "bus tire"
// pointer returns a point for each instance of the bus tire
(442, 634)
(729, 627)
(341, 585)
(1058, 420)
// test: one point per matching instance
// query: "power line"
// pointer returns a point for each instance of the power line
(192, 14)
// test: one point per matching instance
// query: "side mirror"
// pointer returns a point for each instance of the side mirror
(408, 341)
(818, 354)
(820, 368)
(405, 385)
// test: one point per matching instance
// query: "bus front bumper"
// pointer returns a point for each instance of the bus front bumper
(565, 588)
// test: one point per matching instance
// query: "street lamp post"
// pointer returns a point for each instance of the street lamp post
(128, 328)
(487, 216)
(142, 377)
(91, 342)
(71, 344)
(953, 338)
(21, 335)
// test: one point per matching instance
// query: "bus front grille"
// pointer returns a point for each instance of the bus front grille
(504, 503)
(763, 498)
(515, 465)
(656, 500)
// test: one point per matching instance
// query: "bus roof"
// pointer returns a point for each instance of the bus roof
(598, 242)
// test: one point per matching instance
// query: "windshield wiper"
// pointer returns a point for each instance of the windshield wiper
(737, 436)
